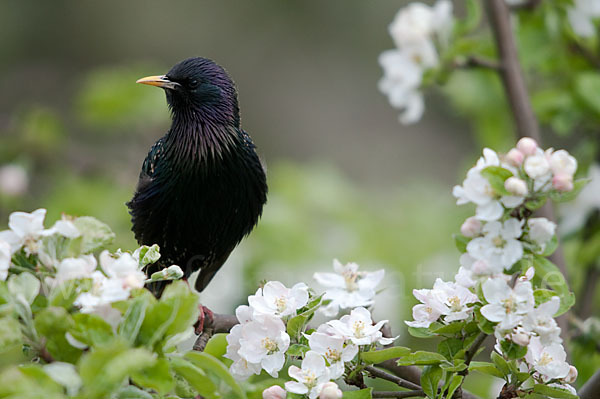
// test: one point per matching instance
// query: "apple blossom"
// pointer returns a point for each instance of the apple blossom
(426, 312)
(499, 247)
(454, 298)
(516, 186)
(572, 376)
(562, 182)
(65, 228)
(311, 378)
(278, 300)
(548, 361)
(104, 291)
(332, 348)
(358, 327)
(264, 341)
(527, 146)
(515, 157)
(74, 268)
(418, 22)
(506, 305)
(274, 392)
(240, 368)
(124, 267)
(541, 230)
(541, 321)
(5, 259)
(537, 166)
(471, 227)
(348, 287)
(563, 162)
(331, 391)
(25, 229)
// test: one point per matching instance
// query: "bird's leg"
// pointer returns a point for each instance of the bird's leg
(206, 318)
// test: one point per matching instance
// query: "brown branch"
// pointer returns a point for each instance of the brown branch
(528, 5)
(398, 394)
(588, 292)
(591, 389)
(470, 353)
(214, 324)
(474, 61)
(375, 372)
(518, 99)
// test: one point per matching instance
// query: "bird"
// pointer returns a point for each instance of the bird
(202, 186)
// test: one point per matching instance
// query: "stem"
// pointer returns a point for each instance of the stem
(586, 299)
(375, 372)
(591, 388)
(398, 394)
(470, 353)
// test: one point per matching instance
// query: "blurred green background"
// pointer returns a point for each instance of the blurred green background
(346, 179)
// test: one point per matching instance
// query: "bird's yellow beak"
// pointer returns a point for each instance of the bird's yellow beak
(159, 81)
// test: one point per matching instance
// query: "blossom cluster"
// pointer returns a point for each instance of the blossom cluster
(417, 30)
(495, 278)
(52, 252)
(264, 338)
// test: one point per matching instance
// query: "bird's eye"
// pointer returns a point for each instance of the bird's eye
(193, 83)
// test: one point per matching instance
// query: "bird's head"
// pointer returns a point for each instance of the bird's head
(199, 88)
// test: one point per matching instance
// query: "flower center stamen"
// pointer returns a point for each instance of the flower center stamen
(333, 355)
(281, 304)
(269, 345)
(455, 305)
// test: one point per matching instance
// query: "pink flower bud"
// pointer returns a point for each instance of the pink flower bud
(520, 339)
(480, 267)
(471, 227)
(527, 146)
(572, 376)
(562, 182)
(516, 186)
(330, 391)
(515, 157)
(274, 392)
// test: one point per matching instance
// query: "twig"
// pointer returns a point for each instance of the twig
(528, 5)
(470, 353)
(375, 372)
(588, 292)
(591, 388)
(474, 61)
(218, 323)
(398, 394)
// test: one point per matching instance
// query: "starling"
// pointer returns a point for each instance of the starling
(202, 186)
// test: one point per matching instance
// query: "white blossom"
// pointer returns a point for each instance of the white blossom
(25, 229)
(541, 230)
(331, 390)
(514, 157)
(419, 22)
(541, 321)
(65, 228)
(562, 182)
(274, 392)
(123, 268)
(240, 368)
(14, 180)
(548, 361)
(264, 341)
(358, 327)
(278, 300)
(74, 268)
(428, 311)
(348, 287)
(506, 305)
(527, 146)
(471, 227)
(104, 292)
(516, 186)
(455, 298)
(499, 247)
(5, 259)
(311, 378)
(332, 348)
(563, 162)
(581, 17)
(536, 166)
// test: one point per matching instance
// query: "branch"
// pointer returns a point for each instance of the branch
(375, 372)
(588, 292)
(470, 353)
(214, 324)
(528, 5)
(591, 388)
(474, 61)
(398, 394)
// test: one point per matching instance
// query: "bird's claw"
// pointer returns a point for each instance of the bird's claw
(205, 319)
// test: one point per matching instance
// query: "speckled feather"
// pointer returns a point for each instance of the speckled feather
(202, 186)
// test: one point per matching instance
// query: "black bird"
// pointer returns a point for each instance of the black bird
(202, 187)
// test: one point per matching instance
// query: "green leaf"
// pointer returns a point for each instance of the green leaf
(131, 392)
(361, 394)
(195, 376)
(10, 334)
(578, 185)
(66, 293)
(295, 326)
(551, 276)
(553, 392)
(450, 347)
(430, 379)
(156, 377)
(455, 366)
(550, 246)
(500, 363)
(536, 203)
(452, 328)
(133, 318)
(542, 295)
(421, 332)
(461, 242)
(149, 255)
(454, 384)
(25, 285)
(211, 365)
(486, 368)
(104, 369)
(297, 350)
(53, 323)
(217, 346)
(95, 234)
(64, 374)
(484, 324)
(421, 358)
(496, 176)
(91, 329)
(512, 350)
(378, 356)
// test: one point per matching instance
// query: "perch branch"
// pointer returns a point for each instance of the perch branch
(591, 388)
(218, 323)
(474, 61)
(375, 372)
(398, 394)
